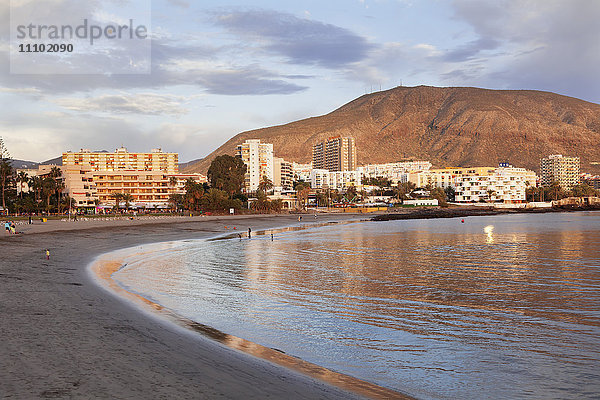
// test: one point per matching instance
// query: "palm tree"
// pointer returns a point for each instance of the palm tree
(490, 193)
(127, 198)
(35, 182)
(173, 183)
(265, 184)
(117, 197)
(22, 178)
(60, 187)
(48, 188)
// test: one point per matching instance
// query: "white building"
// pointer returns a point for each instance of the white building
(342, 180)
(319, 178)
(301, 171)
(561, 169)
(393, 171)
(337, 180)
(504, 184)
(258, 158)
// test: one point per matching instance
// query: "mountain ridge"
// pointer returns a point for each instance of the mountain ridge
(454, 126)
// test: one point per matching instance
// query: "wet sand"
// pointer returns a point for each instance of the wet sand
(64, 336)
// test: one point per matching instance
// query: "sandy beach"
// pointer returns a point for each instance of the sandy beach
(64, 336)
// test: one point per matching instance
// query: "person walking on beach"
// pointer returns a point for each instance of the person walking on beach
(47, 254)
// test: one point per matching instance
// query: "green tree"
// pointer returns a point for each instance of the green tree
(556, 192)
(450, 193)
(265, 184)
(322, 198)
(302, 191)
(193, 195)
(60, 187)
(117, 197)
(176, 201)
(404, 189)
(127, 198)
(439, 194)
(227, 173)
(219, 200)
(583, 190)
(48, 189)
(6, 171)
(21, 179)
(261, 204)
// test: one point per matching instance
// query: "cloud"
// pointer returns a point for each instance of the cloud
(212, 77)
(245, 81)
(179, 3)
(301, 41)
(550, 45)
(142, 103)
(471, 49)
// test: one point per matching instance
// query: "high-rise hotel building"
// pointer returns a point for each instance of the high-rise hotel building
(335, 154)
(258, 158)
(564, 170)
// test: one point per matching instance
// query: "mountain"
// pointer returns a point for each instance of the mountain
(54, 161)
(447, 126)
(22, 164)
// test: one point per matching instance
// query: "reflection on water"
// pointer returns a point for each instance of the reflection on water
(498, 307)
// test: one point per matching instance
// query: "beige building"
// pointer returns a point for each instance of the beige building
(258, 158)
(564, 170)
(335, 154)
(283, 176)
(92, 178)
(444, 177)
(121, 159)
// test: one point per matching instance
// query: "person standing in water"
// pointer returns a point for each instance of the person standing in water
(249, 233)
(47, 254)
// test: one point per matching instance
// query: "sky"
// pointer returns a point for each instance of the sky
(218, 68)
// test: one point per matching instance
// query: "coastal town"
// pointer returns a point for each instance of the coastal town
(254, 179)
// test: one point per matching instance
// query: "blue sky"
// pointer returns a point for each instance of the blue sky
(221, 67)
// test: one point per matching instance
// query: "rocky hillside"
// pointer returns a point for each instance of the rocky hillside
(447, 126)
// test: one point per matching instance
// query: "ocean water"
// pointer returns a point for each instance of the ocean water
(496, 307)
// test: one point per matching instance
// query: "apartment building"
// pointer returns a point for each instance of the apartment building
(283, 176)
(121, 159)
(301, 171)
(561, 169)
(258, 158)
(393, 171)
(337, 180)
(335, 154)
(505, 184)
(93, 178)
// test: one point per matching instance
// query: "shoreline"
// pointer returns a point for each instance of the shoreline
(66, 336)
(109, 263)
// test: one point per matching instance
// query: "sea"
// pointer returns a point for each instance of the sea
(495, 307)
